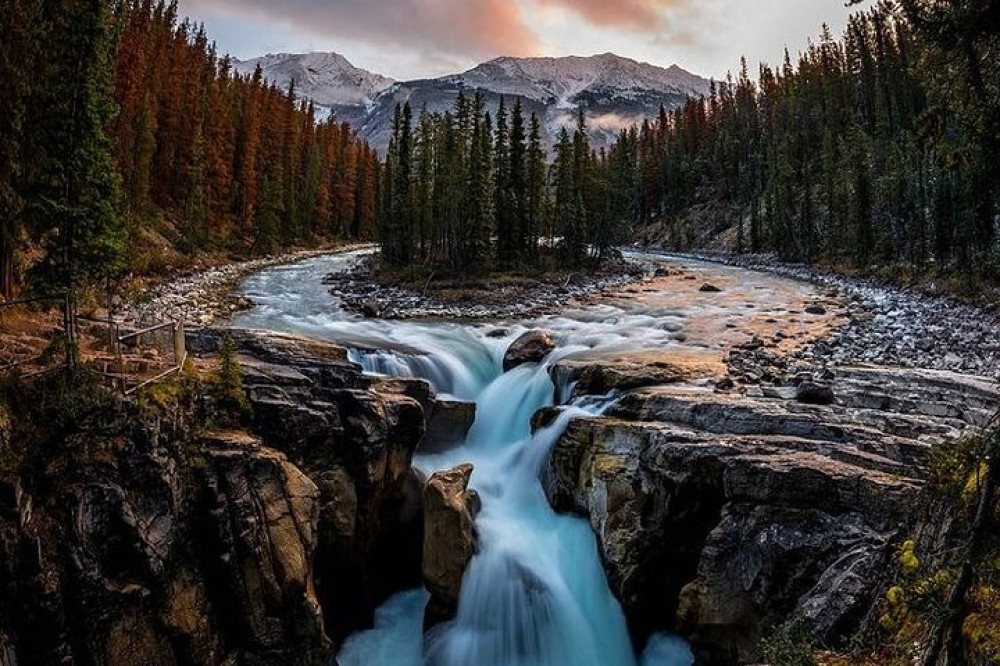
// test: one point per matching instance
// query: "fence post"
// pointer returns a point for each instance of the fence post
(180, 345)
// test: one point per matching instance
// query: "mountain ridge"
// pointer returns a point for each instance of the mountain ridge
(614, 91)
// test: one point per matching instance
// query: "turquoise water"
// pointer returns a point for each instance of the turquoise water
(535, 593)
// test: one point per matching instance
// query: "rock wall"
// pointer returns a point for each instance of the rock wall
(158, 541)
(721, 515)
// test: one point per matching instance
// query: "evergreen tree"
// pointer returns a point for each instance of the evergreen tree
(74, 186)
(19, 24)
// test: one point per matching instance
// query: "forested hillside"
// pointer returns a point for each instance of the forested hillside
(123, 135)
(880, 148)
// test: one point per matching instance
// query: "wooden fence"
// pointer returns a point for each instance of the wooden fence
(129, 360)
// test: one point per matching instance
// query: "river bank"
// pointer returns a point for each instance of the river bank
(886, 324)
(362, 290)
(881, 324)
(203, 297)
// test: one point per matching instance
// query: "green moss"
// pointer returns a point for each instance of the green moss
(954, 465)
(790, 644)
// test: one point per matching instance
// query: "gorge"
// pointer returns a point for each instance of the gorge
(702, 455)
(730, 511)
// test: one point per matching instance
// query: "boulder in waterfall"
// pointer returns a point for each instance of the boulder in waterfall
(448, 424)
(709, 289)
(531, 347)
(449, 539)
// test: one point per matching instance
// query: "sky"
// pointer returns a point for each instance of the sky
(410, 39)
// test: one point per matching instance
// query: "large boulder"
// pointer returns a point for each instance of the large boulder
(448, 424)
(449, 539)
(531, 347)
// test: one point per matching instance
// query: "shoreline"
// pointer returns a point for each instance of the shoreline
(499, 297)
(889, 324)
(204, 297)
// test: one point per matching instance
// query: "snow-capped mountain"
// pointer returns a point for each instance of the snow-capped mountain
(615, 92)
(570, 80)
(328, 79)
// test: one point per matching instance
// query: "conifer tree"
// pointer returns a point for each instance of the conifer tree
(74, 185)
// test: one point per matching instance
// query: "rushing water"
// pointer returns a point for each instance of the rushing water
(535, 593)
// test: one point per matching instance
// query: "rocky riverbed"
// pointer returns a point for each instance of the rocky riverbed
(204, 297)
(889, 325)
(765, 458)
(360, 291)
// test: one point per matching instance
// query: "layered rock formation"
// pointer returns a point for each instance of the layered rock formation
(152, 540)
(721, 515)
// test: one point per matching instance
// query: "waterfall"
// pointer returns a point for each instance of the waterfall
(535, 593)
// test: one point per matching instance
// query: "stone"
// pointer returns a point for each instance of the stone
(448, 424)
(725, 384)
(779, 392)
(815, 309)
(449, 540)
(370, 310)
(721, 515)
(196, 546)
(812, 393)
(531, 347)
(709, 289)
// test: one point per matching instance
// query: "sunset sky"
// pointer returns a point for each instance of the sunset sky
(408, 39)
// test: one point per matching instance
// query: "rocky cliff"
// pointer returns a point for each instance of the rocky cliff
(721, 514)
(142, 536)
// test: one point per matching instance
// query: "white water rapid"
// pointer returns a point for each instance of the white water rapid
(535, 594)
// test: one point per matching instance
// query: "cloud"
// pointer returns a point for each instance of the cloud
(435, 28)
(644, 15)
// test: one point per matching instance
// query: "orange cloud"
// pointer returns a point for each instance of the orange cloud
(469, 28)
(643, 14)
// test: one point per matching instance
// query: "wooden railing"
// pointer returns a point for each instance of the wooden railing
(8, 366)
(121, 362)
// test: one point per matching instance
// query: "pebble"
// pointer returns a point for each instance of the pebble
(358, 291)
(890, 325)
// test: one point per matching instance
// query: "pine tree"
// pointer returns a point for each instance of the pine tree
(536, 206)
(75, 186)
(502, 195)
(517, 186)
(19, 23)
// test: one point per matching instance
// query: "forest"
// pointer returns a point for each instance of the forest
(123, 132)
(464, 194)
(876, 149)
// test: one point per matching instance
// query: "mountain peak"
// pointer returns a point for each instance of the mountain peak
(614, 91)
(567, 77)
(329, 79)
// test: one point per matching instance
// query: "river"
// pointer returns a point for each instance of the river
(535, 594)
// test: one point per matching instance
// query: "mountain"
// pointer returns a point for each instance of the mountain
(571, 80)
(615, 92)
(328, 79)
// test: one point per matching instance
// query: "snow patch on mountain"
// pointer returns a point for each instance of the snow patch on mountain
(328, 79)
(562, 80)
(614, 92)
